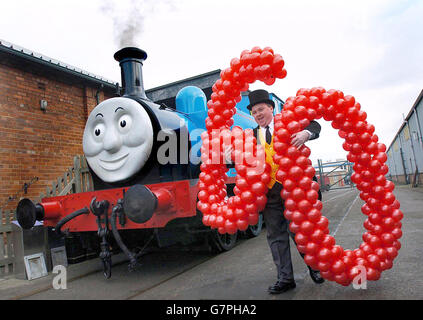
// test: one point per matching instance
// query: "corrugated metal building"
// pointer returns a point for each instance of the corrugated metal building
(405, 154)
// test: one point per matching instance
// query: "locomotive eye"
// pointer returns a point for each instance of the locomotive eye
(125, 123)
(99, 131)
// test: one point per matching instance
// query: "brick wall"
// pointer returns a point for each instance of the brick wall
(34, 143)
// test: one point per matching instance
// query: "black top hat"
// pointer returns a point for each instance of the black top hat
(259, 96)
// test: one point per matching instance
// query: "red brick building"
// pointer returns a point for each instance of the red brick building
(36, 142)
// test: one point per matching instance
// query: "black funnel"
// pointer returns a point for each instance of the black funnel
(131, 61)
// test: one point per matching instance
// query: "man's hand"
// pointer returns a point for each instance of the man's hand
(299, 138)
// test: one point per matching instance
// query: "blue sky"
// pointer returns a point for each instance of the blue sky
(369, 49)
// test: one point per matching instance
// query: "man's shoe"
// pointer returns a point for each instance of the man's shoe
(280, 287)
(315, 276)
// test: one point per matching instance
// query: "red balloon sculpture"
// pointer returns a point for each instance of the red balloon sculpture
(300, 192)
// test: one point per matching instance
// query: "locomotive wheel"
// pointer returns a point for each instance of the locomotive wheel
(254, 231)
(223, 242)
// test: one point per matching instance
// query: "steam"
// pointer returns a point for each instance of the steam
(129, 18)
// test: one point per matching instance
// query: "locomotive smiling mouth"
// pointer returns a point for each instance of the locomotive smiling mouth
(112, 165)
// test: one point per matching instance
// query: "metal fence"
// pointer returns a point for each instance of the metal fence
(338, 176)
(7, 257)
(76, 179)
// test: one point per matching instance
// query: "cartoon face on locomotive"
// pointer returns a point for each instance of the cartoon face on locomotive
(144, 161)
(121, 136)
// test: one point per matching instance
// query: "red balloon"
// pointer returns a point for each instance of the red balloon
(324, 255)
(307, 227)
(247, 197)
(220, 221)
(362, 262)
(312, 248)
(305, 151)
(296, 173)
(251, 208)
(374, 261)
(302, 207)
(294, 227)
(338, 267)
(293, 153)
(337, 251)
(259, 188)
(298, 217)
(301, 239)
(314, 215)
(323, 223)
(298, 194)
(387, 239)
(310, 260)
(230, 227)
(242, 224)
(397, 245)
(397, 215)
(312, 196)
(253, 219)
(373, 274)
(388, 223)
(328, 242)
(318, 205)
(317, 236)
(309, 172)
(305, 183)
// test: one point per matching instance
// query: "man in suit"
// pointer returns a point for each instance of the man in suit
(261, 107)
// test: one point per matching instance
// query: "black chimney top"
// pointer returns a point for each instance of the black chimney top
(131, 61)
(130, 52)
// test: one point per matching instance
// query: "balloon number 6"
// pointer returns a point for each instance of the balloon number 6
(302, 208)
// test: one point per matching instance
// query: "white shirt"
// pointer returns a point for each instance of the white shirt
(272, 126)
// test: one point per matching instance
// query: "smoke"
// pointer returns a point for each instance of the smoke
(129, 17)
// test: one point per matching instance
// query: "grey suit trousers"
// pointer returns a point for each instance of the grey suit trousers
(278, 234)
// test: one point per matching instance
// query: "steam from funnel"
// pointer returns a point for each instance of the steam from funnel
(129, 18)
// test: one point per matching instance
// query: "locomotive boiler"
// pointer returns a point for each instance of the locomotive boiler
(144, 160)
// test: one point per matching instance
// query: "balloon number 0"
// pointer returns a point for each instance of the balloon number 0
(302, 208)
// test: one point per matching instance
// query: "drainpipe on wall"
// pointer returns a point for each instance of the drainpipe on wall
(403, 167)
(419, 128)
(395, 166)
(97, 94)
(414, 154)
(402, 156)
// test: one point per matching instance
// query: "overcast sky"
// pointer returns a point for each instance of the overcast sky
(372, 50)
